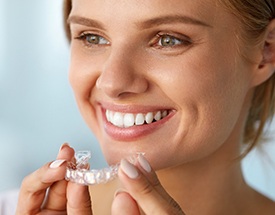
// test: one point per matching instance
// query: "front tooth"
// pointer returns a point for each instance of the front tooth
(157, 116)
(149, 117)
(118, 119)
(129, 120)
(139, 119)
(108, 114)
(111, 116)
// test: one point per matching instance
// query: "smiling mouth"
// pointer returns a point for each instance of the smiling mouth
(126, 120)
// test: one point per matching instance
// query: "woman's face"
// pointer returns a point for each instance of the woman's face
(174, 64)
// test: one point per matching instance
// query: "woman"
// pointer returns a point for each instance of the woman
(186, 83)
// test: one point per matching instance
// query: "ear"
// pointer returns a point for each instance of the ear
(266, 67)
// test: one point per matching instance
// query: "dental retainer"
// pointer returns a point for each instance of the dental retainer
(79, 173)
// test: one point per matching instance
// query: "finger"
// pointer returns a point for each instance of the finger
(34, 186)
(56, 199)
(151, 176)
(78, 199)
(124, 204)
(150, 197)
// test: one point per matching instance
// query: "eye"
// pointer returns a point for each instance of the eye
(169, 41)
(92, 39)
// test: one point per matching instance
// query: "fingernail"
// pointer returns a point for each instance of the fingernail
(63, 145)
(56, 164)
(144, 163)
(129, 169)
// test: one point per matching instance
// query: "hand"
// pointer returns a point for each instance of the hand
(46, 192)
(142, 190)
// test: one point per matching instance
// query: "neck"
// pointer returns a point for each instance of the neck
(212, 185)
(205, 187)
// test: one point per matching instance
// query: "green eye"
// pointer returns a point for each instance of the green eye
(96, 39)
(167, 40)
(93, 39)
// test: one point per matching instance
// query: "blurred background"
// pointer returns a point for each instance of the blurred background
(37, 108)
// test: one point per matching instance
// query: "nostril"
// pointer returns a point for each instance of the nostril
(118, 86)
(109, 87)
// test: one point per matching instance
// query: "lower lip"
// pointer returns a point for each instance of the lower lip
(134, 132)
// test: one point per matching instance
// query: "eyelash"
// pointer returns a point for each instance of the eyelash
(84, 37)
(172, 41)
(93, 40)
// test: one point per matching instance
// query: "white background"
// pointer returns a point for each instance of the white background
(37, 109)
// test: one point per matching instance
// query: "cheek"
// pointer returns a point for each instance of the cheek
(84, 71)
(83, 78)
(209, 95)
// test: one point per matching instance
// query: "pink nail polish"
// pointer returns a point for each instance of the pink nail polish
(56, 164)
(129, 169)
(144, 163)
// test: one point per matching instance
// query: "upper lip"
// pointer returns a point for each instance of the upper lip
(127, 132)
(133, 108)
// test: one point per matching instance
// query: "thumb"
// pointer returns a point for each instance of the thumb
(124, 204)
(79, 201)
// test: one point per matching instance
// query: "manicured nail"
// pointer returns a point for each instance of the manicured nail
(56, 164)
(129, 169)
(144, 163)
(64, 145)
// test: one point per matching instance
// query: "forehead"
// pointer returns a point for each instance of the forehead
(123, 10)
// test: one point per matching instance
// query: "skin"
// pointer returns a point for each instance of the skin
(100, 77)
(203, 80)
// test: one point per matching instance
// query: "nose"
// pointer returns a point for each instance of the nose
(121, 75)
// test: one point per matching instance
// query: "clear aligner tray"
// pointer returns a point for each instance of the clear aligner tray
(79, 173)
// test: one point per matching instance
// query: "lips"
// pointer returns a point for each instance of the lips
(124, 125)
(126, 120)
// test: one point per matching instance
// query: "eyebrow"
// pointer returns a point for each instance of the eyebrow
(169, 19)
(85, 21)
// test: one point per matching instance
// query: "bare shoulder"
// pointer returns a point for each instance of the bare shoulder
(266, 206)
(256, 203)
(270, 207)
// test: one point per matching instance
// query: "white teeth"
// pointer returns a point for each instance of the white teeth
(128, 119)
(164, 114)
(109, 115)
(157, 116)
(118, 119)
(149, 117)
(139, 119)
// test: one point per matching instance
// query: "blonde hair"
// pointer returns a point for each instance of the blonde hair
(255, 16)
